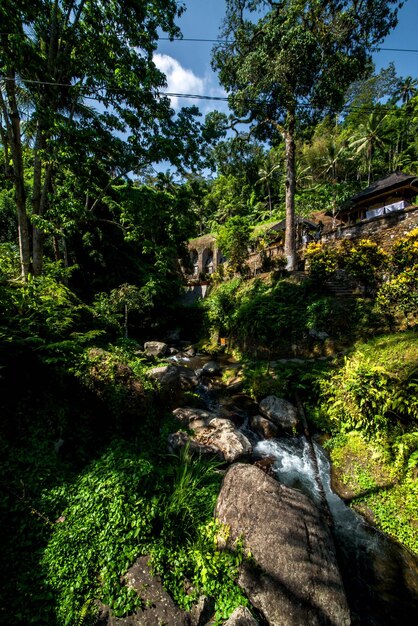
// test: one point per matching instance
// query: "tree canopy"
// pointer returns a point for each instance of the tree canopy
(287, 64)
(79, 85)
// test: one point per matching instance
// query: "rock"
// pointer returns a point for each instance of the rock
(179, 440)
(266, 464)
(318, 334)
(188, 377)
(190, 351)
(279, 411)
(159, 608)
(235, 385)
(168, 376)
(194, 419)
(201, 613)
(213, 433)
(293, 577)
(221, 433)
(211, 369)
(155, 348)
(240, 402)
(264, 427)
(241, 617)
(173, 351)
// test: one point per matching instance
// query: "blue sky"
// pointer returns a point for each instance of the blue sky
(187, 63)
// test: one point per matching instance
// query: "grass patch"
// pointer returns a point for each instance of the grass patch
(364, 474)
(395, 511)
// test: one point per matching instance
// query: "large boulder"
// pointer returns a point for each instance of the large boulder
(279, 411)
(293, 577)
(158, 606)
(168, 376)
(156, 348)
(241, 617)
(211, 369)
(264, 427)
(188, 377)
(211, 433)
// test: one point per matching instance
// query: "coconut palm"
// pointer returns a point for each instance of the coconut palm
(407, 89)
(367, 138)
(265, 176)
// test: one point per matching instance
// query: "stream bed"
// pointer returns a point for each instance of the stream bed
(380, 576)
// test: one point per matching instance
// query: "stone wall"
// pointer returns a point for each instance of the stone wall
(384, 229)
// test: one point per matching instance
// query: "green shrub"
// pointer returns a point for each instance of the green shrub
(376, 387)
(405, 451)
(405, 252)
(322, 260)
(398, 297)
(395, 511)
(107, 520)
(383, 491)
(221, 304)
(364, 261)
(9, 261)
(124, 505)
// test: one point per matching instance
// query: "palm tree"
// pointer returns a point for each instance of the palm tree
(265, 176)
(332, 159)
(367, 138)
(407, 88)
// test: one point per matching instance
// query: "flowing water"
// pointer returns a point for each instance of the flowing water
(380, 577)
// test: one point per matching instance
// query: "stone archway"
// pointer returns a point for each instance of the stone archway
(194, 262)
(208, 263)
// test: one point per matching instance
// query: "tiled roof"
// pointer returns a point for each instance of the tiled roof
(396, 179)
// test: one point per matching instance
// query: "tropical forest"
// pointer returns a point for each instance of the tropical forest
(208, 319)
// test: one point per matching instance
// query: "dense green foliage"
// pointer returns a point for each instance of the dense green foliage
(111, 515)
(87, 484)
(88, 487)
(376, 388)
(276, 316)
(233, 239)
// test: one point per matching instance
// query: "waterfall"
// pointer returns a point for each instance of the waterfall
(381, 577)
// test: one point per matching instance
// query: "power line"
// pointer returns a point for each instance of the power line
(396, 50)
(227, 41)
(95, 95)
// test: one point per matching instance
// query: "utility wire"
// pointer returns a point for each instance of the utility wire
(94, 95)
(228, 41)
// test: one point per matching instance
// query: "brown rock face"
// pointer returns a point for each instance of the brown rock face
(241, 617)
(264, 427)
(211, 434)
(159, 607)
(294, 578)
(279, 411)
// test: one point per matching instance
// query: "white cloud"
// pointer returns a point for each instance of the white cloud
(183, 80)
(179, 79)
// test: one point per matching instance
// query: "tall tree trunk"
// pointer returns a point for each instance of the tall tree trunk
(38, 234)
(36, 201)
(12, 120)
(290, 158)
